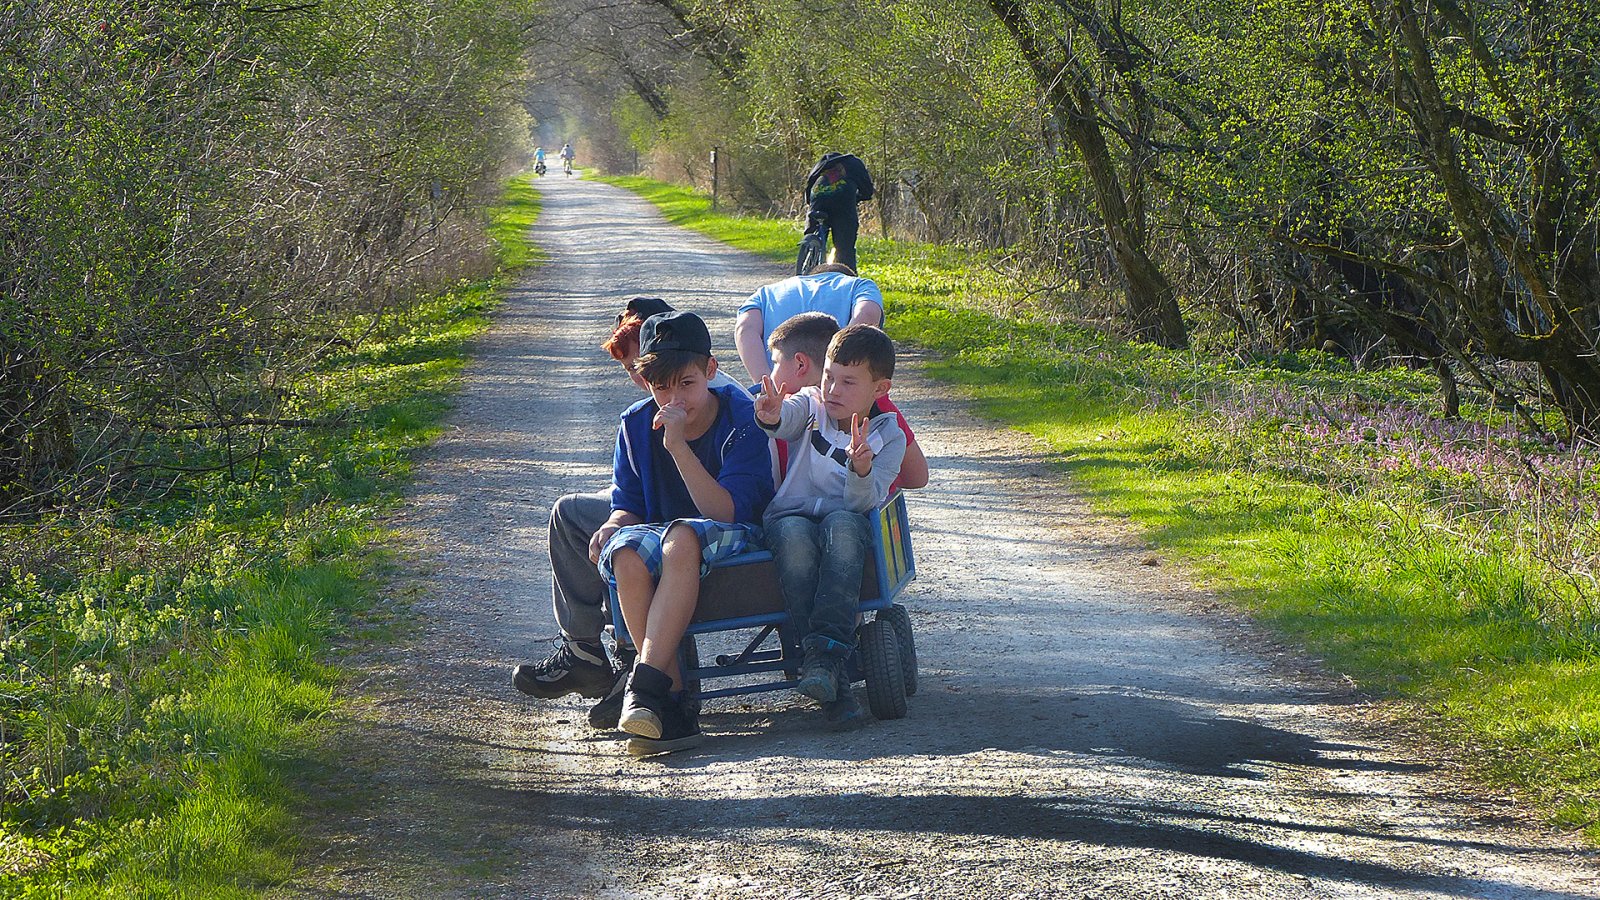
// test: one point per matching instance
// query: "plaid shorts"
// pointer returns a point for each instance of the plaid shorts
(718, 541)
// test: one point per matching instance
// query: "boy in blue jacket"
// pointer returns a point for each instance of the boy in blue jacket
(691, 477)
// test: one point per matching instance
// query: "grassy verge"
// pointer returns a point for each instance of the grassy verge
(163, 677)
(1450, 564)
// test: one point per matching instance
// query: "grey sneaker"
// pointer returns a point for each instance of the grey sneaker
(844, 714)
(819, 677)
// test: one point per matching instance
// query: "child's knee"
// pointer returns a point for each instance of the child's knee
(680, 548)
(626, 562)
(845, 523)
(791, 529)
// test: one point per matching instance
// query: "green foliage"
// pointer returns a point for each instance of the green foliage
(1408, 596)
(509, 223)
(200, 197)
(163, 665)
(1252, 177)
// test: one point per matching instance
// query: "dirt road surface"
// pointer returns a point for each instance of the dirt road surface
(1087, 726)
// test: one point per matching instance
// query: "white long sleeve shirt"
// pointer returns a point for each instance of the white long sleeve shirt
(819, 479)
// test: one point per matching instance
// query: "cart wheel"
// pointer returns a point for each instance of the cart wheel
(689, 659)
(899, 619)
(886, 680)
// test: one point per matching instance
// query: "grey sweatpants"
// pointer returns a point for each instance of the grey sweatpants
(575, 586)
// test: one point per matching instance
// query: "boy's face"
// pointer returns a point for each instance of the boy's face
(850, 390)
(633, 376)
(689, 389)
(794, 370)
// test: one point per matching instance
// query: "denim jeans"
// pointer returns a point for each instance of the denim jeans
(819, 570)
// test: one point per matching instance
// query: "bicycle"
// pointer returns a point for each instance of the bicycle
(566, 165)
(814, 245)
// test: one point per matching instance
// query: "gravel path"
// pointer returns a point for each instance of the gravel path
(1088, 725)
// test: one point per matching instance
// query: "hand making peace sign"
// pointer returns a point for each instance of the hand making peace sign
(769, 406)
(860, 451)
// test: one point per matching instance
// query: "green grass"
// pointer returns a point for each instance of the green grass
(166, 676)
(1402, 578)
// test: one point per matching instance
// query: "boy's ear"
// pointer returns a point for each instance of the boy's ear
(711, 368)
(804, 365)
(881, 389)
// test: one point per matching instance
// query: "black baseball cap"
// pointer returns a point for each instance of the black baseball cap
(674, 331)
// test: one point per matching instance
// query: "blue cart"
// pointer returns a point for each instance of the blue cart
(741, 594)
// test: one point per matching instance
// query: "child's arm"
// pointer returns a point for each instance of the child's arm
(914, 469)
(866, 304)
(747, 340)
(710, 497)
(619, 519)
(782, 417)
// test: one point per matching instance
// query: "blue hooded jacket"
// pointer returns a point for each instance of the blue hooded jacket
(735, 454)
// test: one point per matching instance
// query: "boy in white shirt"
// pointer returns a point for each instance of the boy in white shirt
(845, 452)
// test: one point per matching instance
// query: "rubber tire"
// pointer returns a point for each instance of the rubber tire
(900, 620)
(880, 658)
(812, 253)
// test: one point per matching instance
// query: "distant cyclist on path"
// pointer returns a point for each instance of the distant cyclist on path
(836, 184)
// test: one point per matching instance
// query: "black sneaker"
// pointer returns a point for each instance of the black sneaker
(572, 669)
(605, 714)
(680, 730)
(646, 702)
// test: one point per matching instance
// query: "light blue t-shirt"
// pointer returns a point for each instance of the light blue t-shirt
(833, 293)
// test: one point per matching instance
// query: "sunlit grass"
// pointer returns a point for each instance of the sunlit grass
(1415, 580)
(163, 683)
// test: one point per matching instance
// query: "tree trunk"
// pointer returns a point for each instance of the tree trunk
(1449, 395)
(1152, 301)
(1530, 296)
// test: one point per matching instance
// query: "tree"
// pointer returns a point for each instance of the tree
(197, 199)
(1078, 108)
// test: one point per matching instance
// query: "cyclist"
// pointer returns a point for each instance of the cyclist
(566, 158)
(833, 188)
(538, 161)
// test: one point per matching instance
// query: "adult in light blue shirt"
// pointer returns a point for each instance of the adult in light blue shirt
(833, 289)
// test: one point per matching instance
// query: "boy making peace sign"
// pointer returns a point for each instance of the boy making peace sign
(845, 452)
